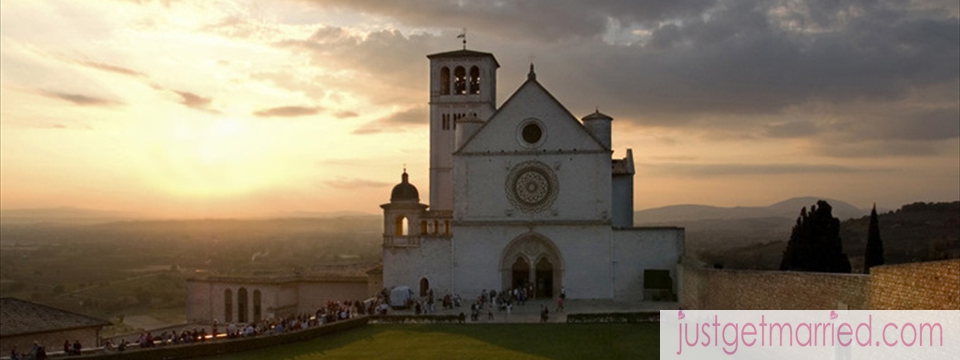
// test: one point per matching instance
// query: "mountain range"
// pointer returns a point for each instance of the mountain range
(789, 208)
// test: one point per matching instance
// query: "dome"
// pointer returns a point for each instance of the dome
(404, 190)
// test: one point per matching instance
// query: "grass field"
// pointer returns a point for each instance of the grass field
(495, 341)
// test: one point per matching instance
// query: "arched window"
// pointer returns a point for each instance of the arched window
(474, 80)
(423, 226)
(257, 312)
(446, 227)
(424, 286)
(402, 226)
(460, 80)
(445, 81)
(227, 305)
(242, 305)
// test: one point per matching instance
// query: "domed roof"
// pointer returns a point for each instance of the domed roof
(404, 190)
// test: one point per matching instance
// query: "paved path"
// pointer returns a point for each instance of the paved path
(530, 312)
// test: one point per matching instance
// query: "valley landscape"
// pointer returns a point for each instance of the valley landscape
(132, 272)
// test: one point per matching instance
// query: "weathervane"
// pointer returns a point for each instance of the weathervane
(463, 35)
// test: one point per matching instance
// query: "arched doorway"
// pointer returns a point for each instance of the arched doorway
(532, 259)
(257, 307)
(520, 273)
(544, 276)
(424, 286)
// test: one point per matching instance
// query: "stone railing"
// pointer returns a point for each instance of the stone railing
(401, 241)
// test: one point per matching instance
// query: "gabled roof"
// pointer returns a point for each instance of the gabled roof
(461, 54)
(532, 82)
(20, 317)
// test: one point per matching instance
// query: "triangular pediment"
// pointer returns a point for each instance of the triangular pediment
(531, 104)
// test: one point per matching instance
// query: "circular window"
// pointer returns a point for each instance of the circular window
(532, 133)
(532, 186)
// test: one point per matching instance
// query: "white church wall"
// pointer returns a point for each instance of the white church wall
(406, 266)
(199, 301)
(315, 295)
(560, 129)
(636, 250)
(584, 187)
(585, 252)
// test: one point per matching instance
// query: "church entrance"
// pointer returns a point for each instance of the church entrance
(544, 278)
(533, 262)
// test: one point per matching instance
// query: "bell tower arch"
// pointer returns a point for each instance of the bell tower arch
(463, 83)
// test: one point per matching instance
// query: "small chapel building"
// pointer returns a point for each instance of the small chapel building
(523, 194)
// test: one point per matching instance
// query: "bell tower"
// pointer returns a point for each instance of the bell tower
(463, 83)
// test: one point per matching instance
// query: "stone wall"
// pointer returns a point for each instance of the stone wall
(919, 286)
(717, 289)
(52, 341)
(931, 285)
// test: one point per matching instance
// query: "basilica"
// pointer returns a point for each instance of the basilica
(523, 194)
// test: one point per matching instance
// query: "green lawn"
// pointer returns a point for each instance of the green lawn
(495, 341)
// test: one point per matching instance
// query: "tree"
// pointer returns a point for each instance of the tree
(815, 242)
(874, 252)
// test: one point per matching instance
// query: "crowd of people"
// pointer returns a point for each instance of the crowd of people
(502, 301)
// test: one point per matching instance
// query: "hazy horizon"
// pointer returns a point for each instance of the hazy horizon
(224, 108)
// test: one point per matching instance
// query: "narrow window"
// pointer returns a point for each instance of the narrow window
(460, 80)
(474, 80)
(242, 305)
(445, 81)
(257, 307)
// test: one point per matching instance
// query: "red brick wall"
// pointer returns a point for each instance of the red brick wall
(931, 285)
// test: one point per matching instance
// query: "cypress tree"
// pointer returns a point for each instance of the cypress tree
(815, 243)
(874, 252)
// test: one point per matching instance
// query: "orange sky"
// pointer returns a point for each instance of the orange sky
(231, 108)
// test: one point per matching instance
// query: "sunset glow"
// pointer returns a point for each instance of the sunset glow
(234, 108)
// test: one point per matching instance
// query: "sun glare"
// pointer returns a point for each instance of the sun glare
(216, 159)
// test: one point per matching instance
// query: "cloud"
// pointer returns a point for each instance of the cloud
(195, 101)
(395, 122)
(288, 111)
(703, 64)
(712, 170)
(355, 183)
(877, 149)
(80, 99)
(110, 68)
(346, 114)
(544, 20)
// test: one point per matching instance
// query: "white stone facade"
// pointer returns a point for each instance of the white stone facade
(252, 299)
(536, 198)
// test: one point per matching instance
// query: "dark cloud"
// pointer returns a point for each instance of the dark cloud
(730, 67)
(792, 129)
(288, 111)
(709, 170)
(354, 183)
(549, 20)
(395, 122)
(79, 99)
(876, 149)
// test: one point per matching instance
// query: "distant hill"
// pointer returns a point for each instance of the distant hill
(65, 215)
(789, 208)
(914, 233)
